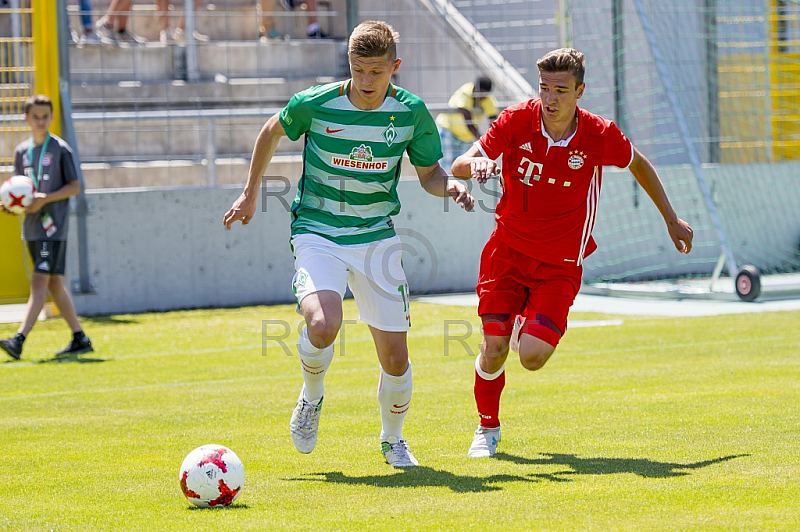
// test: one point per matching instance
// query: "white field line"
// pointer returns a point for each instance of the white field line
(792, 342)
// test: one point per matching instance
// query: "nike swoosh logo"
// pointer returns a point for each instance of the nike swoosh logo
(329, 130)
(401, 406)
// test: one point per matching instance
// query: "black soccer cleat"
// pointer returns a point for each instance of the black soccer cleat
(12, 346)
(79, 345)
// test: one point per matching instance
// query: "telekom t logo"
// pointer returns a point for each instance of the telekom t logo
(529, 170)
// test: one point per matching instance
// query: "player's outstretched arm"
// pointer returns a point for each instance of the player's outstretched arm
(679, 231)
(437, 183)
(244, 207)
(474, 165)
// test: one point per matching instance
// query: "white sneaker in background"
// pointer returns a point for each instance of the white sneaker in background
(90, 38)
(125, 36)
(180, 36)
(104, 32)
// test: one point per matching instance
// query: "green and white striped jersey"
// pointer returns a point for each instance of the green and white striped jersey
(351, 160)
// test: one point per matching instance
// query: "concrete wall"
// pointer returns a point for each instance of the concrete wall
(108, 65)
(167, 249)
(760, 208)
(757, 203)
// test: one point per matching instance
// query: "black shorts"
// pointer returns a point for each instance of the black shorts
(49, 256)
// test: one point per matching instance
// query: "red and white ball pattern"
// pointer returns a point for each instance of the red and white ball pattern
(212, 476)
(17, 193)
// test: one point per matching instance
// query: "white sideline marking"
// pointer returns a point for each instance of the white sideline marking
(578, 324)
(639, 306)
(792, 342)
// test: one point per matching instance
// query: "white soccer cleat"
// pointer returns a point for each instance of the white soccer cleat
(484, 444)
(305, 423)
(515, 334)
(398, 454)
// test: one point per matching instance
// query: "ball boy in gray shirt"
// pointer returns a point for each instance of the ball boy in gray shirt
(47, 160)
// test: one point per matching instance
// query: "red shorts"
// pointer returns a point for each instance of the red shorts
(512, 283)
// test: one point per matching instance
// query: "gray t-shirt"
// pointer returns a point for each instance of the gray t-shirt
(58, 169)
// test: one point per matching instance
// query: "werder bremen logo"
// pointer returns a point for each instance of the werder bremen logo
(390, 134)
(361, 153)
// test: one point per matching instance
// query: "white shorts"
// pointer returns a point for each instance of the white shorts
(374, 272)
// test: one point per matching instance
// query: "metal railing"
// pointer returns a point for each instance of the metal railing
(209, 117)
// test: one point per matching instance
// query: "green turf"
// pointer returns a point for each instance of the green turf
(659, 423)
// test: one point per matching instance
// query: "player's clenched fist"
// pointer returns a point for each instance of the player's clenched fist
(482, 169)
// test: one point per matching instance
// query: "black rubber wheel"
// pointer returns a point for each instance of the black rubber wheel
(748, 283)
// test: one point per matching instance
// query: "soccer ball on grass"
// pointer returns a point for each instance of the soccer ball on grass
(212, 476)
(17, 193)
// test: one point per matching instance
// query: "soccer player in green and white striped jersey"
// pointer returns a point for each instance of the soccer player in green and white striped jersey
(356, 133)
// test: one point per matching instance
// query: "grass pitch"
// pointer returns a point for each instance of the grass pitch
(668, 424)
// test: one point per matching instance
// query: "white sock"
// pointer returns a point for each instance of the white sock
(394, 396)
(312, 28)
(314, 364)
(487, 376)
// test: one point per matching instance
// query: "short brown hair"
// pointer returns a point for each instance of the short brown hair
(564, 60)
(38, 99)
(373, 39)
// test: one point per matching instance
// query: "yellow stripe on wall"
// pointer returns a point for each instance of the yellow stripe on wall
(45, 45)
(39, 28)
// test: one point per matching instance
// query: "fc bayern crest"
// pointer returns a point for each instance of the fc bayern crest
(576, 159)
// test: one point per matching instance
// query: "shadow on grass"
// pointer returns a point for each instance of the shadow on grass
(108, 320)
(66, 359)
(608, 466)
(428, 477)
(232, 507)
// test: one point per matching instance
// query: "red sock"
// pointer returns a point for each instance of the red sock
(487, 397)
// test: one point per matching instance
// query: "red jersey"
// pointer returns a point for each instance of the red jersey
(551, 190)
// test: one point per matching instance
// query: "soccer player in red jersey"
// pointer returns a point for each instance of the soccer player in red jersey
(553, 153)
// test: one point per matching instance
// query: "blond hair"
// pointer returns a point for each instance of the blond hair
(38, 99)
(564, 60)
(373, 39)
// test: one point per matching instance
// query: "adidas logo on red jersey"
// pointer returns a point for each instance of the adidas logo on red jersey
(526, 147)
